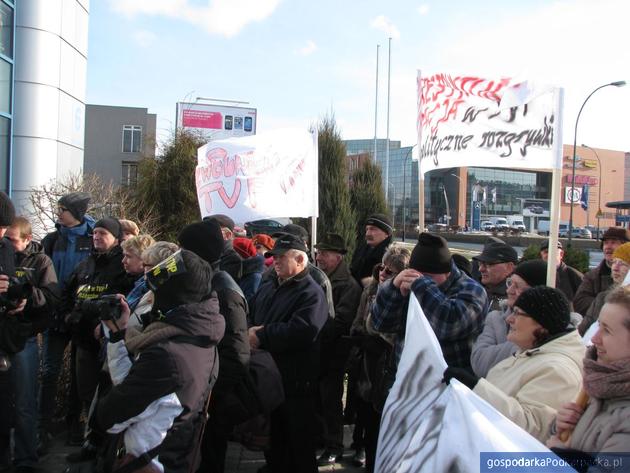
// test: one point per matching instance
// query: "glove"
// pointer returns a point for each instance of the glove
(461, 375)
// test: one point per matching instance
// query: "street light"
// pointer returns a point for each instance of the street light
(404, 185)
(599, 198)
(619, 83)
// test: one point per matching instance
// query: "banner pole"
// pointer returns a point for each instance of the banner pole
(556, 177)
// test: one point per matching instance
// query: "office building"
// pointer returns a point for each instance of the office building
(116, 139)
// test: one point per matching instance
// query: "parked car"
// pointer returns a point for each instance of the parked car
(487, 226)
(577, 232)
(438, 227)
(262, 226)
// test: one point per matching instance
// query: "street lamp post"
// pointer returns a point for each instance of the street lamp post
(404, 206)
(619, 83)
(599, 197)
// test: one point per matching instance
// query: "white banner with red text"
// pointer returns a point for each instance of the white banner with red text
(486, 122)
(271, 174)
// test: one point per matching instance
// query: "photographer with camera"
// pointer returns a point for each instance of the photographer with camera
(160, 373)
(100, 274)
(35, 282)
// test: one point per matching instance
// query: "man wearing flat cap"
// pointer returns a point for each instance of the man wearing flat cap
(599, 279)
(378, 236)
(568, 279)
(496, 262)
(346, 294)
(455, 305)
(286, 316)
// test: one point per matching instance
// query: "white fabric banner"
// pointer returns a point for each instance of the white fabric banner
(272, 174)
(428, 426)
(474, 121)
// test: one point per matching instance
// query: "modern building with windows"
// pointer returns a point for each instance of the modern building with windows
(7, 33)
(450, 194)
(43, 66)
(116, 139)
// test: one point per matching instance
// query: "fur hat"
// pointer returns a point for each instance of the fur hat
(76, 203)
(431, 255)
(204, 238)
(547, 306)
(617, 233)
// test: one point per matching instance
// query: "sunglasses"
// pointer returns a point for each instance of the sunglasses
(384, 269)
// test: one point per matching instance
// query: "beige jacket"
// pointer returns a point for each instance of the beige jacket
(604, 427)
(529, 386)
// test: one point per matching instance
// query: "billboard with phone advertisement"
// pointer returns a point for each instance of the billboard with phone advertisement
(216, 122)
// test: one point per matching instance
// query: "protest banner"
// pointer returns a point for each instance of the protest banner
(428, 426)
(272, 174)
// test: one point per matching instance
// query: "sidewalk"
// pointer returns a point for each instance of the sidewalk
(238, 460)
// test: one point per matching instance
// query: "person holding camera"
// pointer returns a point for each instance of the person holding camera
(160, 373)
(100, 274)
(35, 282)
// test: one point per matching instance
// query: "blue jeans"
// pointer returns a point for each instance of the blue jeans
(25, 387)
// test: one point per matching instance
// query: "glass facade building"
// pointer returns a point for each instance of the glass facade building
(7, 34)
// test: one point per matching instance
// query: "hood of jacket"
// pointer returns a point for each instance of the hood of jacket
(570, 344)
(32, 249)
(198, 319)
(85, 227)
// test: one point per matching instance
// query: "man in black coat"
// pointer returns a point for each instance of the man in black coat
(568, 279)
(230, 261)
(286, 317)
(335, 348)
(378, 236)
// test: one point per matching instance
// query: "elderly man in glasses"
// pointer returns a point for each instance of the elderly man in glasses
(496, 262)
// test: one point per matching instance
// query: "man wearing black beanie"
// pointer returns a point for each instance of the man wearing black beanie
(455, 305)
(378, 236)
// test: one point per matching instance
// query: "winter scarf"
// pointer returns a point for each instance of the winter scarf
(606, 380)
(137, 339)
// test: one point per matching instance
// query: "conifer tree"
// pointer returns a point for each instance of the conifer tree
(335, 212)
(367, 196)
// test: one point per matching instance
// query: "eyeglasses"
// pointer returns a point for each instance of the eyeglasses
(61, 210)
(384, 269)
(519, 313)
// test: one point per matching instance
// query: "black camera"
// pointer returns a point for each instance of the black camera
(105, 307)
(18, 289)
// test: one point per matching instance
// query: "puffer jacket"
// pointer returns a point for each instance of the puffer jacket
(158, 398)
(492, 345)
(529, 387)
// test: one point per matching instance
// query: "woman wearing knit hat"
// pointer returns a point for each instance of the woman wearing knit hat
(618, 270)
(603, 425)
(492, 346)
(544, 373)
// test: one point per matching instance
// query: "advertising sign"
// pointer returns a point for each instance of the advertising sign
(216, 122)
(572, 195)
(536, 208)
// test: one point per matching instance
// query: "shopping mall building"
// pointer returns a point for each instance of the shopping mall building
(601, 174)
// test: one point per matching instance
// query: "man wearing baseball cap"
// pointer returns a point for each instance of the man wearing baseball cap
(286, 315)
(599, 279)
(496, 262)
(378, 236)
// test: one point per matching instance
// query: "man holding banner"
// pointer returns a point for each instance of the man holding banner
(455, 304)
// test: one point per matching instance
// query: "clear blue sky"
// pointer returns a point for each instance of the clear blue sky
(297, 60)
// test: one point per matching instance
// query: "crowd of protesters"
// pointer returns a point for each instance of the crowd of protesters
(177, 348)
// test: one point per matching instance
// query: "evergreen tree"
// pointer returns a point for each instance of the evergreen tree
(367, 195)
(335, 213)
(168, 183)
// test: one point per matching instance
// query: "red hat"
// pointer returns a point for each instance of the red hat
(244, 247)
(264, 240)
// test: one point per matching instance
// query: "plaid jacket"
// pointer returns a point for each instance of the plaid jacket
(456, 310)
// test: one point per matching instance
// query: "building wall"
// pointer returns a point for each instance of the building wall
(51, 40)
(104, 150)
(7, 36)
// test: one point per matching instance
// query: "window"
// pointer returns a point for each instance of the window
(132, 139)
(129, 174)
